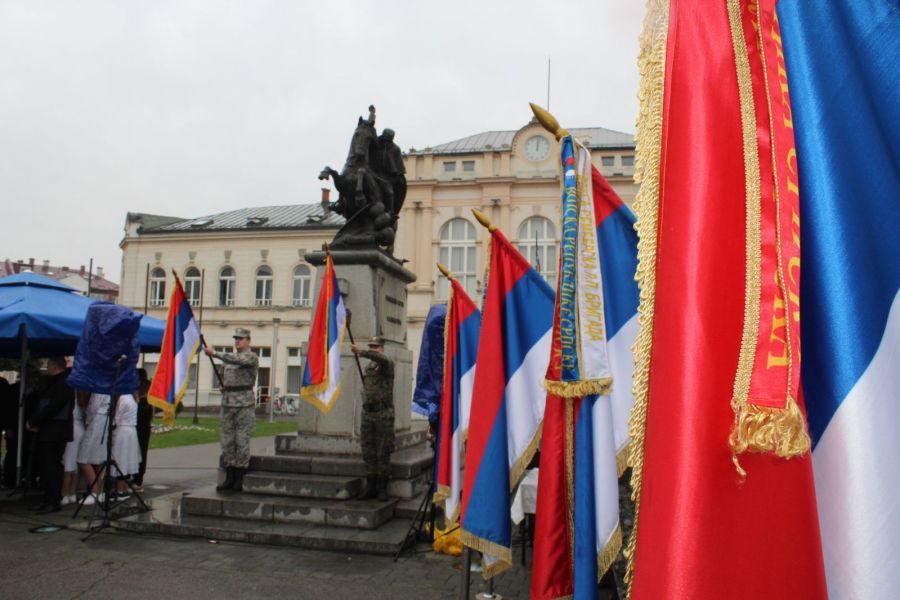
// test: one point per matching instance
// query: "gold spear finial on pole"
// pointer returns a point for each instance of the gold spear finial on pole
(444, 271)
(548, 121)
(483, 219)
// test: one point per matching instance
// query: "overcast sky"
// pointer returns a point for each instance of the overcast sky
(189, 108)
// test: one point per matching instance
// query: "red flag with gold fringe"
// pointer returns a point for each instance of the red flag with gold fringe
(725, 505)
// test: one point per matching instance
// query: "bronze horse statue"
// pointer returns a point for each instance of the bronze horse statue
(368, 195)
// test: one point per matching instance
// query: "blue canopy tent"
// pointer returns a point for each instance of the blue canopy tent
(41, 317)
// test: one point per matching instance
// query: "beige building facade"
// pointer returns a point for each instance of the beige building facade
(251, 261)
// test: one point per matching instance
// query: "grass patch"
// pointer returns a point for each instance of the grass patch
(207, 431)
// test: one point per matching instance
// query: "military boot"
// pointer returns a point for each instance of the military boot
(370, 490)
(239, 479)
(229, 480)
(382, 488)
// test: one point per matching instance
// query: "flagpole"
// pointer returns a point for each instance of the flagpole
(350, 333)
(197, 377)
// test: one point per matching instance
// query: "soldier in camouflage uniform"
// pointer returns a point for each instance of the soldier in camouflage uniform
(377, 426)
(238, 404)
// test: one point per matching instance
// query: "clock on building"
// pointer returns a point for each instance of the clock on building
(537, 148)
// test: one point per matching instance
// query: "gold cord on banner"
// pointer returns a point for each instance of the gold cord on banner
(577, 389)
(652, 67)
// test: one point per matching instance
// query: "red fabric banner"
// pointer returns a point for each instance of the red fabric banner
(701, 531)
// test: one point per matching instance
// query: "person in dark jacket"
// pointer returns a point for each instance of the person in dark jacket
(144, 426)
(52, 424)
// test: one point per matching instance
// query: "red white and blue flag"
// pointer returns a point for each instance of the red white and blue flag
(181, 340)
(462, 325)
(585, 431)
(321, 381)
(507, 411)
(842, 67)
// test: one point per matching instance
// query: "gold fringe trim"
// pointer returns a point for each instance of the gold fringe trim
(781, 431)
(518, 469)
(607, 556)
(501, 553)
(569, 434)
(652, 67)
(622, 459)
(578, 389)
(753, 195)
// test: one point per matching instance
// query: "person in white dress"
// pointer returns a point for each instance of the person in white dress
(92, 450)
(126, 451)
(70, 457)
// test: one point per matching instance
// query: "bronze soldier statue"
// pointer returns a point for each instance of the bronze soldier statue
(371, 188)
(238, 406)
(377, 426)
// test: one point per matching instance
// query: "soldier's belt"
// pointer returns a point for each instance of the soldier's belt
(238, 388)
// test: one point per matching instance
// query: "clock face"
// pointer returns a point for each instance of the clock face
(537, 147)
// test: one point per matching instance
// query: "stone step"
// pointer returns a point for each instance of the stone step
(167, 519)
(360, 514)
(293, 443)
(405, 464)
(302, 485)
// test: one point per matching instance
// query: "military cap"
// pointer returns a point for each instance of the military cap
(240, 332)
(377, 341)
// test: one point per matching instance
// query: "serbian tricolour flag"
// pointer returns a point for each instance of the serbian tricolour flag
(461, 327)
(508, 406)
(585, 432)
(722, 473)
(843, 67)
(321, 382)
(181, 340)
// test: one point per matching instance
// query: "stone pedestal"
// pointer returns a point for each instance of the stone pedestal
(374, 288)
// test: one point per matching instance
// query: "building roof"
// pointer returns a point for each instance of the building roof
(592, 137)
(292, 216)
(99, 283)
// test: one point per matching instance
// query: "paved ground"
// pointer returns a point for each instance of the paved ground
(124, 565)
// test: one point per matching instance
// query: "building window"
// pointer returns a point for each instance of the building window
(537, 242)
(192, 286)
(226, 287)
(457, 253)
(628, 160)
(608, 161)
(263, 286)
(468, 165)
(302, 280)
(450, 167)
(157, 295)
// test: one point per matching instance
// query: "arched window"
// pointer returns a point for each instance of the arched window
(263, 286)
(300, 295)
(157, 295)
(457, 253)
(537, 243)
(226, 287)
(192, 286)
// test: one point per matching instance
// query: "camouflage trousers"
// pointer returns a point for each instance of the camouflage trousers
(377, 440)
(237, 427)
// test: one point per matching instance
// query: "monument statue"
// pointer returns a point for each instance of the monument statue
(371, 188)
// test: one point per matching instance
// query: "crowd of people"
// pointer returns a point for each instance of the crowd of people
(71, 435)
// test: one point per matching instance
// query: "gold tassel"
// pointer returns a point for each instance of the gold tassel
(607, 556)
(578, 389)
(781, 431)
